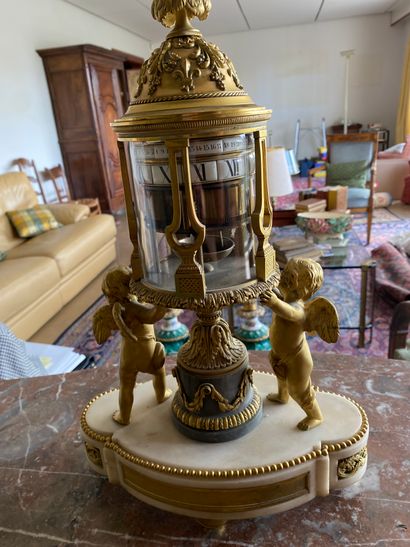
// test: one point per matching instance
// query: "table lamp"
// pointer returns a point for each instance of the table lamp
(252, 332)
(279, 179)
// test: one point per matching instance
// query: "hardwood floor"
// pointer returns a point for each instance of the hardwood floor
(65, 317)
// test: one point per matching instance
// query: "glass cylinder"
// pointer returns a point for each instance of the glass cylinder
(222, 178)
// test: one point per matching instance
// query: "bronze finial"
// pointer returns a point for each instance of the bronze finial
(174, 12)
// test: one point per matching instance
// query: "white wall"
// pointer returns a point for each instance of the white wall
(27, 127)
(298, 72)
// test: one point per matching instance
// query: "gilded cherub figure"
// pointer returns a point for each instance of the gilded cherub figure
(293, 316)
(140, 352)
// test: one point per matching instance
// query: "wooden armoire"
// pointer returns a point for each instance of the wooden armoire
(89, 88)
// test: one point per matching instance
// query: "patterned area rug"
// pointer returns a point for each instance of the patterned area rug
(80, 335)
(379, 215)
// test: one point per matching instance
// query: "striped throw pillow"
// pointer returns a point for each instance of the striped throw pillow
(32, 222)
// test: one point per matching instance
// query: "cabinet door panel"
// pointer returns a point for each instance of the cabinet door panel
(83, 168)
(73, 114)
(108, 106)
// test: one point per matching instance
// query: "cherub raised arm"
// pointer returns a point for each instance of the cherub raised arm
(290, 355)
(140, 352)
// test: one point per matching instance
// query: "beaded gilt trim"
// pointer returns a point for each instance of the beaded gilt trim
(83, 420)
(231, 473)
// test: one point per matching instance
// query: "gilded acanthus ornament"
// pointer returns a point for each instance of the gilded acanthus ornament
(165, 11)
(94, 454)
(169, 58)
(211, 346)
(349, 466)
(140, 352)
(290, 355)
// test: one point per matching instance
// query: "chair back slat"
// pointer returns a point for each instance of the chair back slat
(28, 167)
(353, 147)
(57, 176)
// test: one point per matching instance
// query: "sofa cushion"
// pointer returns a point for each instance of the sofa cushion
(358, 198)
(16, 192)
(393, 152)
(24, 281)
(68, 213)
(382, 199)
(70, 245)
(33, 221)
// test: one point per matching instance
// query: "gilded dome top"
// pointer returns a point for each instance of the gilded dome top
(187, 86)
(185, 65)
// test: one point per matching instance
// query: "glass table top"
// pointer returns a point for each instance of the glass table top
(350, 256)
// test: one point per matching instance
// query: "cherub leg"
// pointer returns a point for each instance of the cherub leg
(301, 390)
(159, 380)
(126, 398)
(314, 415)
(280, 371)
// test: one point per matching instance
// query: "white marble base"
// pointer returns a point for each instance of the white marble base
(273, 468)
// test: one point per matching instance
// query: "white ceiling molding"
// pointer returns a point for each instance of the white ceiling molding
(262, 14)
(336, 9)
(400, 10)
(228, 16)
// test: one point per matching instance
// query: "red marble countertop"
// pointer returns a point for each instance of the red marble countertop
(50, 497)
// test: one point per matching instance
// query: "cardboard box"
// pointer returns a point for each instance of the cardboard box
(335, 196)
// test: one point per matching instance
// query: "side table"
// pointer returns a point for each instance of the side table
(357, 257)
(283, 217)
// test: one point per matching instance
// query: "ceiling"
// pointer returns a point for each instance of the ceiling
(229, 16)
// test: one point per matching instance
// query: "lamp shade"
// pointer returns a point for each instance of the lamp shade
(279, 180)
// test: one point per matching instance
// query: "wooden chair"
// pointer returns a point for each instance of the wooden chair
(28, 167)
(57, 176)
(349, 148)
(399, 327)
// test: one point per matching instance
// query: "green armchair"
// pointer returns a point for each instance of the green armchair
(352, 163)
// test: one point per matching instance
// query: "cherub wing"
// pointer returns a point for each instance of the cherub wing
(103, 324)
(322, 318)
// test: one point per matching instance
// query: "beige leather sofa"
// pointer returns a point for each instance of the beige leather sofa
(41, 274)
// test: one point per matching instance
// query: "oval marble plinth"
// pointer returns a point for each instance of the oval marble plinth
(273, 468)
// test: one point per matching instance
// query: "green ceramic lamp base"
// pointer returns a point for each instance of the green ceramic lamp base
(171, 332)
